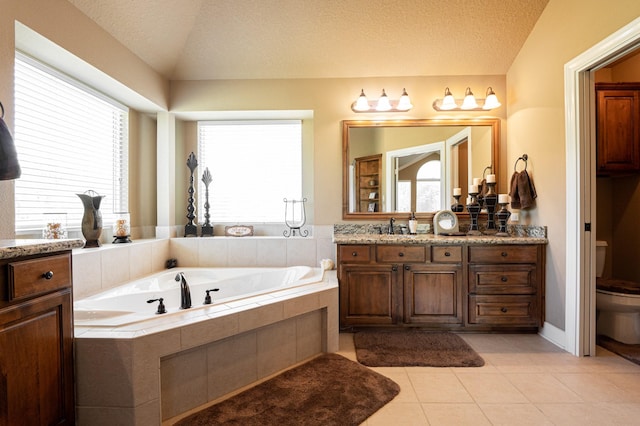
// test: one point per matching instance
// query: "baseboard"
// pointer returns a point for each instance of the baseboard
(553, 334)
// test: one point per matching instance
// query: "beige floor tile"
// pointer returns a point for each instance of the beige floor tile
(514, 414)
(629, 382)
(543, 387)
(591, 414)
(491, 388)
(593, 387)
(398, 414)
(455, 415)
(439, 387)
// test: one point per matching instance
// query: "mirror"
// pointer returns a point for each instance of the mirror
(392, 167)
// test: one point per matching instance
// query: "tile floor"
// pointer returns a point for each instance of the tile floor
(525, 381)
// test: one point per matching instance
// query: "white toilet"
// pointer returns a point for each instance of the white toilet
(617, 303)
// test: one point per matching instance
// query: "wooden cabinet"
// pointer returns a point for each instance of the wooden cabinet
(505, 286)
(36, 341)
(368, 175)
(618, 128)
(464, 287)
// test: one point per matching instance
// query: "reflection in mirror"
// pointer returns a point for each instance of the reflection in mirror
(413, 165)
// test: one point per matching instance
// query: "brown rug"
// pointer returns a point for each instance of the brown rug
(328, 390)
(630, 352)
(403, 348)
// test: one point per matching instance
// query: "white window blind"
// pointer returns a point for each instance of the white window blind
(254, 165)
(70, 139)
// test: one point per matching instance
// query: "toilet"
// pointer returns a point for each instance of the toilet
(617, 303)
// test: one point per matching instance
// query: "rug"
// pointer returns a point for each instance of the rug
(403, 348)
(328, 390)
(630, 352)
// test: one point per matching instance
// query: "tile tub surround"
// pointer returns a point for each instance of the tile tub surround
(123, 375)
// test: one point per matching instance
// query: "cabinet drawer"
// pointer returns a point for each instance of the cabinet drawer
(38, 276)
(446, 254)
(355, 253)
(504, 310)
(401, 254)
(506, 279)
(504, 254)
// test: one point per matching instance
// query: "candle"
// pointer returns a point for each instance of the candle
(477, 181)
(473, 189)
(491, 178)
(468, 200)
(503, 198)
(457, 191)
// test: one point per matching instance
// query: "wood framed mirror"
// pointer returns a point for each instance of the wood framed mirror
(393, 167)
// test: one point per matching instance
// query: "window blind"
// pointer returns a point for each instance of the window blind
(69, 139)
(254, 165)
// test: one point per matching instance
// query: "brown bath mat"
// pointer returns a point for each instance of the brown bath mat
(626, 351)
(328, 390)
(403, 348)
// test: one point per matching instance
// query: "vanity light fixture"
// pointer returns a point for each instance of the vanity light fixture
(383, 104)
(469, 103)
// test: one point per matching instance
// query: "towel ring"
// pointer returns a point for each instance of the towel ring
(524, 158)
(485, 171)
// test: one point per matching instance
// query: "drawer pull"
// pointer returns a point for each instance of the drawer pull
(407, 267)
(401, 254)
(354, 254)
(504, 254)
(394, 268)
(447, 254)
(503, 279)
(503, 310)
(48, 275)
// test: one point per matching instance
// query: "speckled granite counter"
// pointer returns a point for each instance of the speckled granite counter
(365, 234)
(26, 247)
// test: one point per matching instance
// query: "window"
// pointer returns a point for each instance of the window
(428, 187)
(254, 165)
(70, 139)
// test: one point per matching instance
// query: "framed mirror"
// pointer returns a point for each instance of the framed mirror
(394, 167)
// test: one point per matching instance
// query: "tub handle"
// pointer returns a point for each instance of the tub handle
(161, 307)
(207, 298)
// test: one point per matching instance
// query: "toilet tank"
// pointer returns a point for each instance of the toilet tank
(601, 254)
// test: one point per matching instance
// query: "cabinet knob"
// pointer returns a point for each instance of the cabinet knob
(354, 254)
(48, 275)
(504, 254)
(394, 268)
(401, 254)
(447, 254)
(503, 310)
(504, 279)
(407, 267)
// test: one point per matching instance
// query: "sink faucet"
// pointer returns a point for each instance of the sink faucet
(391, 221)
(185, 293)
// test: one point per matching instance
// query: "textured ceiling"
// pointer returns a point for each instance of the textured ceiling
(255, 39)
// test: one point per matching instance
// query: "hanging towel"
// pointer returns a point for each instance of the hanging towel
(513, 191)
(526, 190)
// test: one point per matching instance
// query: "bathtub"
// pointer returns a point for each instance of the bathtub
(129, 303)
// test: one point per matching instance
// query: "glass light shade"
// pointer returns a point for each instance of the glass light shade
(491, 101)
(383, 102)
(362, 104)
(448, 102)
(405, 103)
(469, 100)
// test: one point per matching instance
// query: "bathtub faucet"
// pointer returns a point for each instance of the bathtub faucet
(185, 293)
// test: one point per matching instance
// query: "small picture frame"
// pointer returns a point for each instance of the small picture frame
(372, 207)
(373, 195)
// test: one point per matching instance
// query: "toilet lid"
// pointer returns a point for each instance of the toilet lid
(618, 286)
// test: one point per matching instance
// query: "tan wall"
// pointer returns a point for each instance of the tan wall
(536, 124)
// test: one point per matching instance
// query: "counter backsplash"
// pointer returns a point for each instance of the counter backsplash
(377, 228)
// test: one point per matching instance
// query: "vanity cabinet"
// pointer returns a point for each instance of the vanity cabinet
(618, 128)
(36, 340)
(458, 287)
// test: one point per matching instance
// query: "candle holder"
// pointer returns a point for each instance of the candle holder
(295, 217)
(490, 200)
(503, 216)
(206, 229)
(122, 228)
(474, 210)
(457, 207)
(55, 226)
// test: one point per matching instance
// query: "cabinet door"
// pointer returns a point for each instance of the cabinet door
(618, 130)
(36, 377)
(432, 294)
(370, 294)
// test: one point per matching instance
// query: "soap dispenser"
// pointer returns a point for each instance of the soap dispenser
(413, 224)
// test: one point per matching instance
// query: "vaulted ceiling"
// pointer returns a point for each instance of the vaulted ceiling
(257, 39)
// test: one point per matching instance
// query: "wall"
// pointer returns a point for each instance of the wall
(536, 125)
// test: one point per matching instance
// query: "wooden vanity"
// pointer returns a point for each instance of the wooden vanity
(452, 283)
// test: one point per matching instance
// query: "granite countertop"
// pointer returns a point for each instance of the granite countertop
(26, 247)
(434, 239)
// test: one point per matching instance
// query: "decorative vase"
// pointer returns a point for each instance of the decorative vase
(92, 218)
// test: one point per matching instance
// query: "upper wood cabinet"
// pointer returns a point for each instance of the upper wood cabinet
(368, 171)
(618, 128)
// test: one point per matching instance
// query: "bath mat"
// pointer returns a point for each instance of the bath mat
(328, 390)
(630, 352)
(404, 348)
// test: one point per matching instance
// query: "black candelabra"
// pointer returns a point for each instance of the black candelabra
(191, 229)
(457, 207)
(474, 211)
(490, 200)
(207, 228)
(503, 216)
